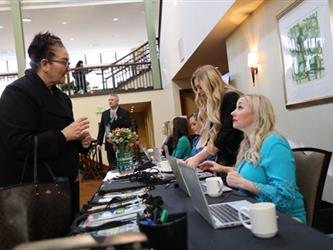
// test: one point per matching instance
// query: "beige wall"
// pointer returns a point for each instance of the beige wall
(311, 126)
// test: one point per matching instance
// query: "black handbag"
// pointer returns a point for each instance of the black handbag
(34, 211)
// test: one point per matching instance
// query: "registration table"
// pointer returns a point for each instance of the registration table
(201, 236)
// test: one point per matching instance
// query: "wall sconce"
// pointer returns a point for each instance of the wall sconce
(252, 62)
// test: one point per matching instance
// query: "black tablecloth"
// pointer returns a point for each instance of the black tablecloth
(292, 235)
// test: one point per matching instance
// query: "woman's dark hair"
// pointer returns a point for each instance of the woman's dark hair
(180, 128)
(79, 64)
(42, 47)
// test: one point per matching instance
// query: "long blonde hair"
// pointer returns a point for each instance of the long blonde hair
(264, 123)
(209, 105)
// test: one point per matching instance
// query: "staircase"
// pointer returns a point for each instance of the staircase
(130, 73)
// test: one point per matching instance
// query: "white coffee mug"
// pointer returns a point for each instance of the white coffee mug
(150, 152)
(214, 186)
(263, 220)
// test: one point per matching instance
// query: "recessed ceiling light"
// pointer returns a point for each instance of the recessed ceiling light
(26, 19)
(72, 39)
(1, 27)
(116, 19)
(64, 22)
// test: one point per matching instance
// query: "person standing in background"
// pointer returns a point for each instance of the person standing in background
(34, 106)
(115, 117)
(79, 74)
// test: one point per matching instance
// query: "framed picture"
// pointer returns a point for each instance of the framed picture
(307, 53)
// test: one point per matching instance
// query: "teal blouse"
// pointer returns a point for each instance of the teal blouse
(183, 148)
(275, 176)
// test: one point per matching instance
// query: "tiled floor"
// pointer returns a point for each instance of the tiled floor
(87, 190)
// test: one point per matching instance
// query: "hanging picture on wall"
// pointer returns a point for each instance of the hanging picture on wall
(307, 52)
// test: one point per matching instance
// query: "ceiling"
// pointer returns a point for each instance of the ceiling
(90, 25)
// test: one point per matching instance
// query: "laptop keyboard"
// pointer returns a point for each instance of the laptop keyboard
(225, 213)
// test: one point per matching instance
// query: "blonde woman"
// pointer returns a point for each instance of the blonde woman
(216, 100)
(265, 165)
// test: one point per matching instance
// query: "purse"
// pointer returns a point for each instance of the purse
(34, 211)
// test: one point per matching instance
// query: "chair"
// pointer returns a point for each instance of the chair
(311, 169)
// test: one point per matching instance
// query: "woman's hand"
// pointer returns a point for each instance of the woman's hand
(192, 161)
(211, 166)
(86, 139)
(76, 129)
(234, 179)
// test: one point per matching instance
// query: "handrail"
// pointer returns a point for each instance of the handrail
(8, 74)
(131, 53)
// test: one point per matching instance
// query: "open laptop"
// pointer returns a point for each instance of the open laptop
(142, 148)
(178, 174)
(180, 179)
(157, 155)
(217, 215)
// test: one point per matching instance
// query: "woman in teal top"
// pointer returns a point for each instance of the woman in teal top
(180, 141)
(265, 165)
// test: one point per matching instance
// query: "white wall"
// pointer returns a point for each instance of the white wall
(189, 21)
(310, 126)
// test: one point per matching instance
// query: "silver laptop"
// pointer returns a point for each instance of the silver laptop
(217, 215)
(180, 179)
(157, 155)
(178, 174)
(142, 148)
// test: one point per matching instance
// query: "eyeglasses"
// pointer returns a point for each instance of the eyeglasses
(65, 63)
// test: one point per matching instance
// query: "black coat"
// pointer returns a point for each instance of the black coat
(122, 121)
(228, 138)
(28, 108)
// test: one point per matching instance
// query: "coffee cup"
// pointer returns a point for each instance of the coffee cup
(263, 220)
(214, 186)
(150, 152)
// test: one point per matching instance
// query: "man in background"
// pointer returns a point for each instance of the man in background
(115, 117)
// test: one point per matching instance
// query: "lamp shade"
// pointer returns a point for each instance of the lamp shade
(252, 60)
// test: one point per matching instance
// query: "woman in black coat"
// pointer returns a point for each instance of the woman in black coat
(34, 106)
(216, 100)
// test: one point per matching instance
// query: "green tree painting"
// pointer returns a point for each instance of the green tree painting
(305, 47)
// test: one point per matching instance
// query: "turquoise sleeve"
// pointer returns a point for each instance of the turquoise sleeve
(280, 169)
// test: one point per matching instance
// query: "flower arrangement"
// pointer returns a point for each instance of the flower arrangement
(123, 139)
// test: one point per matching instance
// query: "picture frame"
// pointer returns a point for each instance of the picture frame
(307, 53)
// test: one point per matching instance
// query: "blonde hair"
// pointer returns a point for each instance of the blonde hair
(209, 105)
(264, 123)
